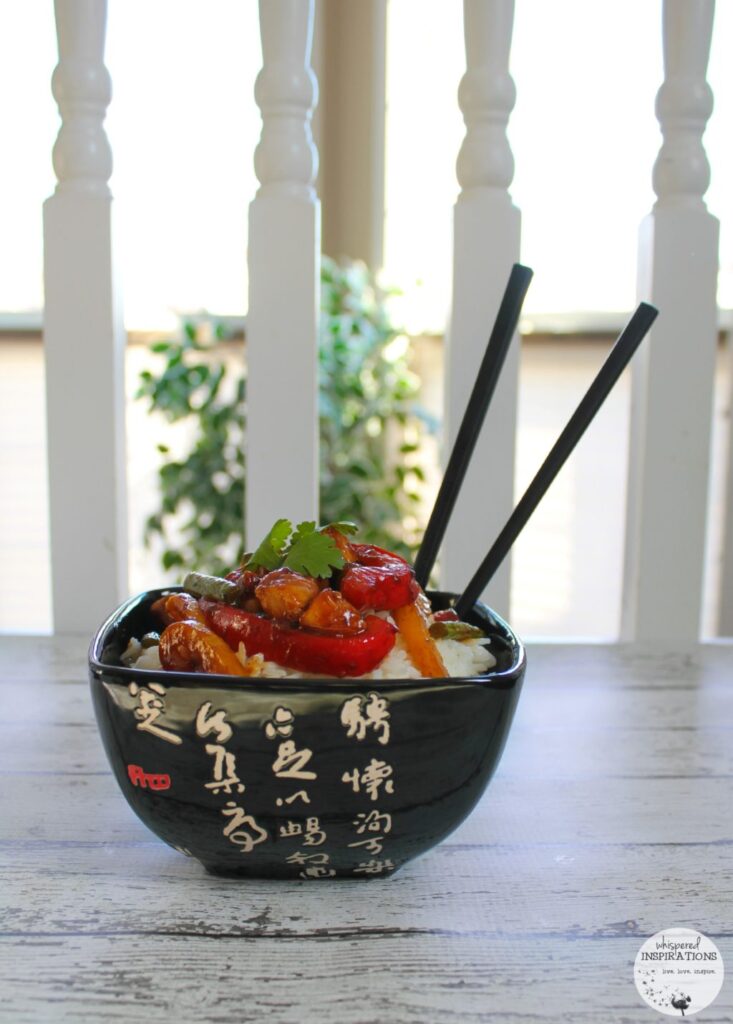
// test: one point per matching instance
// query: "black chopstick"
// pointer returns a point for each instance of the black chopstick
(473, 418)
(626, 344)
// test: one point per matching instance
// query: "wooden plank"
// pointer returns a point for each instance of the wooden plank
(485, 244)
(556, 734)
(532, 911)
(38, 659)
(67, 808)
(458, 890)
(284, 269)
(83, 338)
(382, 979)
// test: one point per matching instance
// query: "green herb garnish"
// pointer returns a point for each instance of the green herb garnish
(305, 549)
(269, 554)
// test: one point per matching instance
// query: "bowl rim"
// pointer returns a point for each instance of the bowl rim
(100, 670)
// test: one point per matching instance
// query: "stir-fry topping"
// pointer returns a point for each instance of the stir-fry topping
(310, 599)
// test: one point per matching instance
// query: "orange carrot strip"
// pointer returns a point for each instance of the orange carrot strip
(421, 648)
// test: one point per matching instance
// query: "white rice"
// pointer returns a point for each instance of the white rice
(461, 658)
(137, 656)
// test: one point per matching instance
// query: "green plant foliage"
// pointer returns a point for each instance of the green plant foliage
(367, 409)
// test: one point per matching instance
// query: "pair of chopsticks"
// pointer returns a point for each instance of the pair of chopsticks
(506, 324)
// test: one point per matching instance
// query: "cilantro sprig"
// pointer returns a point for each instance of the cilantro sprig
(269, 554)
(306, 548)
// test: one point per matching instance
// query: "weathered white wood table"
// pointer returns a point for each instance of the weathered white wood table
(611, 817)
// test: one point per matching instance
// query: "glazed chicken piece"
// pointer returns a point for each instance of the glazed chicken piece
(284, 594)
(177, 608)
(331, 613)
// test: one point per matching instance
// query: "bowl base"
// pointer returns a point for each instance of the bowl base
(222, 871)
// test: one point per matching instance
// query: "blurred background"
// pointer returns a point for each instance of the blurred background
(183, 125)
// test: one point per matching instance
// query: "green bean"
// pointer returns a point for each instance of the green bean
(214, 587)
(455, 631)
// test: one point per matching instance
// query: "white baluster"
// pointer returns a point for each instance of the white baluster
(284, 267)
(83, 337)
(673, 374)
(725, 589)
(81, 86)
(486, 243)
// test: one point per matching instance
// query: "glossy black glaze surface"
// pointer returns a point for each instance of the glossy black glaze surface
(444, 741)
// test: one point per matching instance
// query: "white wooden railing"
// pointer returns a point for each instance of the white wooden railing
(83, 336)
(672, 393)
(673, 379)
(284, 272)
(485, 244)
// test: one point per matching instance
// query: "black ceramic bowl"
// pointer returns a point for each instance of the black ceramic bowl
(300, 778)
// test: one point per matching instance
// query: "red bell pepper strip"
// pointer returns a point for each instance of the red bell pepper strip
(370, 554)
(380, 580)
(380, 588)
(298, 648)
